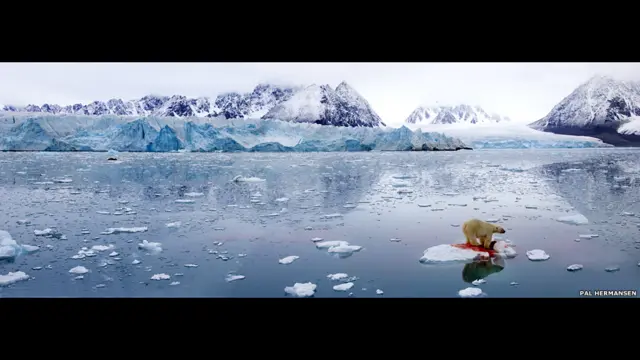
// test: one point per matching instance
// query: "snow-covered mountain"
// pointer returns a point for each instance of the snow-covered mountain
(602, 107)
(459, 114)
(229, 105)
(326, 106)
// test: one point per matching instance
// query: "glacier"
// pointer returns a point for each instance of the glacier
(510, 135)
(26, 132)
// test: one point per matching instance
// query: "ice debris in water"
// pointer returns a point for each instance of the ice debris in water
(84, 252)
(13, 277)
(343, 287)
(8, 247)
(577, 219)
(316, 239)
(574, 267)
(339, 247)
(79, 270)
(241, 178)
(301, 289)
(194, 194)
(612, 268)
(191, 265)
(394, 240)
(379, 292)
(537, 255)
(45, 232)
(446, 253)
(160, 277)
(478, 282)
(174, 224)
(588, 236)
(102, 247)
(470, 292)
(153, 247)
(331, 216)
(288, 259)
(184, 201)
(337, 276)
(282, 199)
(111, 231)
(233, 277)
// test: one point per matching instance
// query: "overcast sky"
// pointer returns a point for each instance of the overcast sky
(523, 91)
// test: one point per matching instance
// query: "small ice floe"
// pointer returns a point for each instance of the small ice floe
(9, 248)
(120, 230)
(191, 265)
(13, 277)
(153, 247)
(337, 276)
(23, 222)
(395, 240)
(136, 262)
(103, 212)
(282, 199)
(626, 213)
(447, 253)
(288, 259)
(331, 216)
(62, 181)
(79, 270)
(234, 277)
(184, 201)
(513, 283)
(113, 254)
(176, 224)
(470, 292)
(537, 255)
(308, 228)
(531, 207)
(301, 289)
(174, 283)
(343, 287)
(379, 292)
(612, 268)
(588, 236)
(493, 220)
(102, 247)
(84, 252)
(338, 247)
(424, 205)
(241, 178)
(574, 267)
(316, 239)
(45, 232)
(577, 219)
(478, 282)
(194, 194)
(160, 277)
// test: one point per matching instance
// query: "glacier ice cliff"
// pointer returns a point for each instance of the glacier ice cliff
(166, 134)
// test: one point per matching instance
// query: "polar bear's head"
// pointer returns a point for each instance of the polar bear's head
(498, 229)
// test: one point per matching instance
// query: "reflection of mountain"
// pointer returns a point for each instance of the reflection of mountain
(597, 188)
(325, 184)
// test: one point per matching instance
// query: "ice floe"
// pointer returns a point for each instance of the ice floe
(160, 277)
(120, 230)
(307, 289)
(79, 270)
(13, 277)
(288, 259)
(343, 286)
(577, 219)
(447, 253)
(337, 276)
(574, 267)
(233, 277)
(470, 292)
(537, 255)
(152, 247)
(241, 178)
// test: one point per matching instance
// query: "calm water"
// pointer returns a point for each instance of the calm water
(240, 228)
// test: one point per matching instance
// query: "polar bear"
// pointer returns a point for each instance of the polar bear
(480, 233)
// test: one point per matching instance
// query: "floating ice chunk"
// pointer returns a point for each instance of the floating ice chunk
(191, 265)
(44, 232)
(23, 222)
(424, 205)
(344, 248)
(588, 236)
(79, 270)
(176, 224)
(574, 267)
(478, 282)
(282, 199)
(470, 292)
(577, 219)
(233, 277)
(174, 283)
(160, 277)
(113, 254)
(194, 194)
(343, 287)
(328, 244)
(102, 212)
(131, 230)
(337, 276)
(136, 262)
(8, 247)
(331, 216)
(241, 178)
(447, 253)
(12, 278)
(62, 181)
(379, 292)
(30, 248)
(537, 255)
(316, 239)
(184, 201)
(395, 240)
(84, 252)
(288, 259)
(154, 247)
(504, 248)
(612, 268)
(301, 289)
(102, 247)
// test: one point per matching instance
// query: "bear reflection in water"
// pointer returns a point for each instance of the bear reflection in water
(481, 269)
